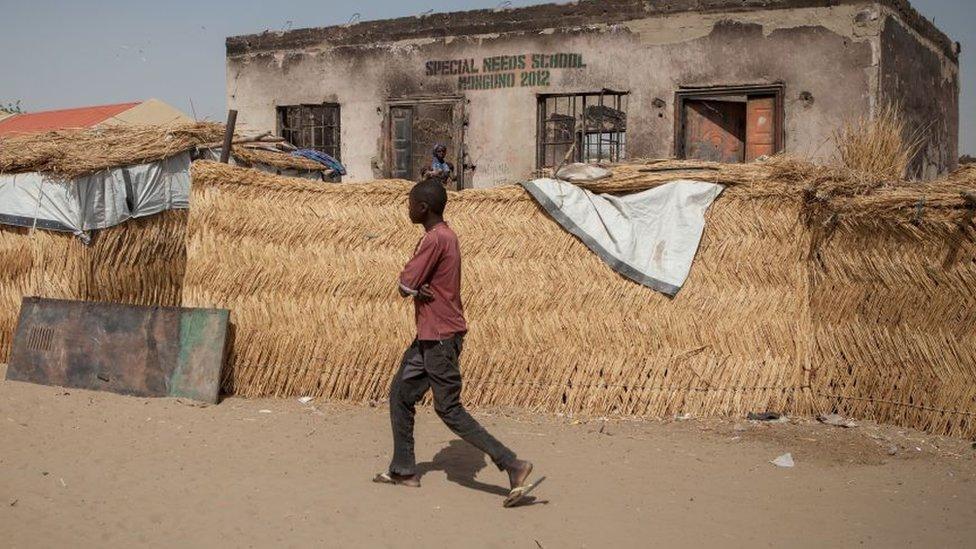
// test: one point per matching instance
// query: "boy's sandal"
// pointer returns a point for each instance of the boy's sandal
(519, 493)
(388, 478)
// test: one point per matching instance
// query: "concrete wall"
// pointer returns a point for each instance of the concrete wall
(924, 82)
(827, 57)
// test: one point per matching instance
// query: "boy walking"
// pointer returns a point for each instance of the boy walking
(433, 279)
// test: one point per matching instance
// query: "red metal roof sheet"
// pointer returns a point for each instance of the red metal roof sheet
(44, 121)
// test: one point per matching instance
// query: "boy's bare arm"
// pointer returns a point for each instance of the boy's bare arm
(424, 294)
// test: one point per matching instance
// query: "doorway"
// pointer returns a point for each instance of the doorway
(415, 125)
(733, 124)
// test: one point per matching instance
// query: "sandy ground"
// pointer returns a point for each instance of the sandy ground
(86, 469)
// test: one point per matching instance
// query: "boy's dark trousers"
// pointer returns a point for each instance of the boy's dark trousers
(434, 365)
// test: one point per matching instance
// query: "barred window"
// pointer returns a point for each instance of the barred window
(592, 125)
(311, 127)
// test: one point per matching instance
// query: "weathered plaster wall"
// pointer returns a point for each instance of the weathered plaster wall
(827, 58)
(537, 17)
(924, 82)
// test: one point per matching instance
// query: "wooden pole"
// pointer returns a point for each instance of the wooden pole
(228, 136)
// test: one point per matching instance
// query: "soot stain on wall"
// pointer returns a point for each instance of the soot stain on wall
(914, 77)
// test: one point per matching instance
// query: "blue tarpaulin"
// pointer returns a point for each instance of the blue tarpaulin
(321, 158)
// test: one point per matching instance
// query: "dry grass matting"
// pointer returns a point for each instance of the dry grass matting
(139, 262)
(892, 285)
(815, 289)
(248, 157)
(894, 319)
(71, 153)
(309, 272)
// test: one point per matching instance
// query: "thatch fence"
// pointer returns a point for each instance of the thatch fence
(893, 307)
(140, 262)
(814, 290)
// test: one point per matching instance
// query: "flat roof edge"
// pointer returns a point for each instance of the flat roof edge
(543, 16)
(923, 26)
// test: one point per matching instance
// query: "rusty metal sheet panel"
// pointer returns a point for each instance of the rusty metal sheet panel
(760, 127)
(715, 130)
(127, 349)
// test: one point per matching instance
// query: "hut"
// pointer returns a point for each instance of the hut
(100, 213)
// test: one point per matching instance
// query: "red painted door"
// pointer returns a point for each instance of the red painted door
(760, 127)
(715, 130)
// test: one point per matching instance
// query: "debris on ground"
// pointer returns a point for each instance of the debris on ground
(682, 417)
(836, 420)
(316, 411)
(785, 460)
(265, 411)
(305, 400)
(191, 403)
(771, 417)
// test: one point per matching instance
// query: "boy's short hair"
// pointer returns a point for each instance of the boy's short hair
(432, 193)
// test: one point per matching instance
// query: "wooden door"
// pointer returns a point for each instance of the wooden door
(401, 142)
(760, 127)
(714, 130)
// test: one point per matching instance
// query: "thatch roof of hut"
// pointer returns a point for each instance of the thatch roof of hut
(78, 152)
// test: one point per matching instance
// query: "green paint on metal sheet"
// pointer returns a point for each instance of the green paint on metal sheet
(203, 333)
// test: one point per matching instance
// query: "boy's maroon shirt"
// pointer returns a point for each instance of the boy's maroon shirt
(437, 262)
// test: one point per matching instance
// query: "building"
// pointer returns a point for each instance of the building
(511, 91)
(150, 112)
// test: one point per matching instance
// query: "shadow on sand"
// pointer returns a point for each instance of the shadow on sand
(462, 462)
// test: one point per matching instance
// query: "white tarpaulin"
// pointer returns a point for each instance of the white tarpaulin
(650, 237)
(95, 201)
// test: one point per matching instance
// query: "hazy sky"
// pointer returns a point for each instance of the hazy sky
(58, 54)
